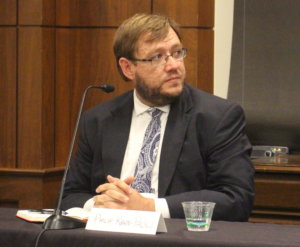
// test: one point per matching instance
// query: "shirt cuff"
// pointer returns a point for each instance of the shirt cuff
(89, 204)
(161, 206)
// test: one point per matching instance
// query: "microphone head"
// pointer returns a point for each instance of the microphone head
(108, 88)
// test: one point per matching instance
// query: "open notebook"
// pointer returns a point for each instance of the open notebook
(40, 215)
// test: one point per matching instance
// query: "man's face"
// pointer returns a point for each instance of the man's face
(158, 85)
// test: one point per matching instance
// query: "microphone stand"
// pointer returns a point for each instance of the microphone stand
(57, 220)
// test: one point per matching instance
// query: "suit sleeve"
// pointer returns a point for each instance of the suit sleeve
(78, 182)
(229, 169)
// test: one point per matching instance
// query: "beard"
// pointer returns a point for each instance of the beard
(154, 95)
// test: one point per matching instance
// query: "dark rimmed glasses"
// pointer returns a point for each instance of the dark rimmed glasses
(162, 59)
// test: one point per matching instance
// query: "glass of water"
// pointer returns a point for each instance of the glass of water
(198, 215)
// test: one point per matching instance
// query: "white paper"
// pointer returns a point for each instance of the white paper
(130, 221)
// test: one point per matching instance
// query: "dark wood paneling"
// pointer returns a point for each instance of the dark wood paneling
(37, 12)
(84, 57)
(277, 189)
(8, 10)
(206, 60)
(286, 187)
(98, 13)
(196, 13)
(199, 60)
(36, 98)
(29, 188)
(8, 97)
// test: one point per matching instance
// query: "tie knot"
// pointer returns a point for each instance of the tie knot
(154, 112)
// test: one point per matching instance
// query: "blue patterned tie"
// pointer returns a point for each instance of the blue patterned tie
(143, 170)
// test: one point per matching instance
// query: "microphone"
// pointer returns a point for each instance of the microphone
(108, 88)
(57, 220)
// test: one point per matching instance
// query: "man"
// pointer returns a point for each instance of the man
(198, 150)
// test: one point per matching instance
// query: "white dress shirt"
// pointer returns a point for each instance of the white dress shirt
(139, 122)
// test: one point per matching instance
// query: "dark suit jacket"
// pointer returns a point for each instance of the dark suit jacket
(204, 156)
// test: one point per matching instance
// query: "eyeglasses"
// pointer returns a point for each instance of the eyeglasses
(162, 59)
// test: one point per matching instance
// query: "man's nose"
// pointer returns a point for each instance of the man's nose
(171, 63)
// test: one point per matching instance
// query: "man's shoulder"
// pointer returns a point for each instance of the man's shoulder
(204, 100)
(113, 104)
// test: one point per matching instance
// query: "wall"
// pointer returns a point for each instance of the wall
(222, 49)
(264, 75)
(50, 52)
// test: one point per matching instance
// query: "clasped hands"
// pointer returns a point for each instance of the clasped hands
(117, 194)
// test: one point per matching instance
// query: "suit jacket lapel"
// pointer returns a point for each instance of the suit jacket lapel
(116, 136)
(174, 137)
(117, 133)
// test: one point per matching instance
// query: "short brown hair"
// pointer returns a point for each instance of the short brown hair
(128, 34)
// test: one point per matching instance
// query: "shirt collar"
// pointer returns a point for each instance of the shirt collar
(140, 107)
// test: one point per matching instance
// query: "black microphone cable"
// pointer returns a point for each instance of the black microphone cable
(39, 236)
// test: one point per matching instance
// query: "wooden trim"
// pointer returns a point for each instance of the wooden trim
(287, 164)
(30, 188)
(32, 172)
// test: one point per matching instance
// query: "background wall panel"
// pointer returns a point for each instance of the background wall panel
(264, 76)
(36, 97)
(29, 188)
(196, 13)
(37, 12)
(8, 12)
(98, 13)
(199, 60)
(8, 105)
(84, 58)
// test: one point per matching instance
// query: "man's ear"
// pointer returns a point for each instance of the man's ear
(127, 68)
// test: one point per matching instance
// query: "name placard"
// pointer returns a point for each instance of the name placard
(130, 221)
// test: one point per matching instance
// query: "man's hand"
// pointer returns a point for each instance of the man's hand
(118, 194)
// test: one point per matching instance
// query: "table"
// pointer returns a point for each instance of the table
(16, 232)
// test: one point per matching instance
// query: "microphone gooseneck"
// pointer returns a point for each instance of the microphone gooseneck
(57, 220)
